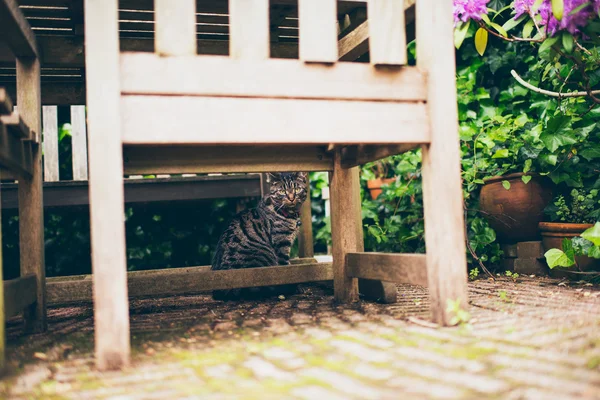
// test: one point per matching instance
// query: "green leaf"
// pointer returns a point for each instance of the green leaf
(567, 246)
(548, 43)
(557, 258)
(558, 8)
(528, 28)
(526, 179)
(567, 42)
(593, 234)
(594, 252)
(506, 185)
(498, 28)
(460, 33)
(577, 9)
(590, 153)
(512, 23)
(502, 153)
(527, 166)
(557, 133)
(481, 39)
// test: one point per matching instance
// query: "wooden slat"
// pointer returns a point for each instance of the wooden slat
(442, 190)
(318, 30)
(2, 303)
(16, 126)
(31, 208)
(79, 143)
(249, 29)
(50, 143)
(398, 268)
(6, 104)
(346, 226)
(353, 156)
(15, 30)
(15, 154)
(192, 280)
(259, 121)
(387, 31)
(305, 236)
(175, 27)
(267, 78)
(111, 310)
(57, 93)
(354, 44)
(224, 159)
(18, 295)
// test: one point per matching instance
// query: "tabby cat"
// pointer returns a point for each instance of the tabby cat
(263, 236)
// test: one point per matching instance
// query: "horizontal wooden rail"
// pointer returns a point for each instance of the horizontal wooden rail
(353, 156)
(162, 120)
(15, 30)
(76, 193)
(274, 78)
(191, 280)
(16, 126)
(15, 154)
(399, 268)
(224, 159)
(18, 294)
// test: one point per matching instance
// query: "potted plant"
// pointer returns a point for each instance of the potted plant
(568, 238)
(379, 173)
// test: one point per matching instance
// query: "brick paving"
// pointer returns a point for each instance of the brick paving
(531, 339)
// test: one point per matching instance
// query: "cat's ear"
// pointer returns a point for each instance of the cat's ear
(303, 176)
(274, 176)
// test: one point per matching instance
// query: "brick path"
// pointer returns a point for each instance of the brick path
(533, 339)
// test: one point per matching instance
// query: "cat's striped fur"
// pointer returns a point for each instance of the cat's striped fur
(263, 236)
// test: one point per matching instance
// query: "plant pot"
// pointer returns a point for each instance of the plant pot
(515, 213)
(374, 186)
(553, 234)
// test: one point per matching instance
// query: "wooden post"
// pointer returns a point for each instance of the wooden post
(306, 247)
(175, 27)
(442, 191)
(346, 229)
(249, 29)
(317, 21)
(31, 207)
(79, 143)
(50, 143)
(2, 317)
(111, 308)
(387, 32)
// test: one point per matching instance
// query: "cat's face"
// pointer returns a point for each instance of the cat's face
(288, 189)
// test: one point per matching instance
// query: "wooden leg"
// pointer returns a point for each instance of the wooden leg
(346, 229)
(2, 319)
(442, 191)
(105, 151)
(305, 237)
(31, 207)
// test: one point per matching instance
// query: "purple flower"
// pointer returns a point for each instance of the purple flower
(570, 23)
(465, 10)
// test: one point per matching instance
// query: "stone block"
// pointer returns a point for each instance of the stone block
(530, 250)
(530, 266)
(510, 250)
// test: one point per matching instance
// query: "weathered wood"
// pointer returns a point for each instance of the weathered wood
(6, 104)
(264, 121)
(111, 310)
(31, 208)
(15, 30)
(50, 143)
(139, 191)
(389, 267)
(305, 237)
(387, 32)
(318, 30)
(175, 27)
(19, 294)
(2, 304)
(346, 226)
(249, 29)
(442, 191)
(56, 93)
(192, 280)
(79, 143)
(16, 126)
(276, 78)
(355, 44)
(15, 154)
(362, 154)
(224, 159)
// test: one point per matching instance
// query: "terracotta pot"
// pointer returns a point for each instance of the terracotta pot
(553, 234)
(374, 186)
(515, 213)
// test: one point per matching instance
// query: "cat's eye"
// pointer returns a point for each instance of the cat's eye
(298, 190)
(281, 191)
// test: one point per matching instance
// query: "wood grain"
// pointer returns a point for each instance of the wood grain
(274, 78)
(50, 143)
(31, 207)
(389, 267)
(249, 29)
(353, 156)
(16, 126)
(15, 30)
(346, 226)
(305, 236)
(6, 104)
(175, 27)
(111, 309)
(19, 294)
(16, 155)
(262, 121)
(79, 143)
(387, 32)
(442, 190)
(317, 21)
